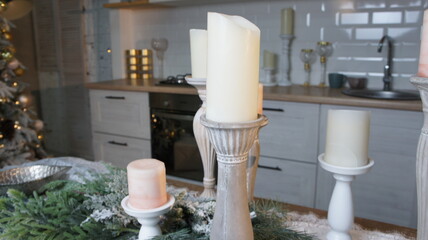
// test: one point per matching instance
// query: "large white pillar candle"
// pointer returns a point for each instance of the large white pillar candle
(287, 21)
(268, 60)
(198, 52)
(347, 138)
(233, 68)
(146, 183)
(423, 56)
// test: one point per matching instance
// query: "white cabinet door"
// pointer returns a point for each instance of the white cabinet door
(292, 132)
(387, 193)
(286, 181)
(120, 151)
(122, 113)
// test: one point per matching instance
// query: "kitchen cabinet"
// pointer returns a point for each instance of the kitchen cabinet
(388, 192)
(120, 125)
(289, 145)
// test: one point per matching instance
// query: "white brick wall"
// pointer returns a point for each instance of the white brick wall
(354, 28)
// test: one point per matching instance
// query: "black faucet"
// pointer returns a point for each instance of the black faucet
(387, 78)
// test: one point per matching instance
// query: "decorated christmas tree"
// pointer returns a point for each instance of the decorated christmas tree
(20, 129)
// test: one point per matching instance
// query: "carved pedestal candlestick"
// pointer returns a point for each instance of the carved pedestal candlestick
(422, 162)
(232, 141)
(149, 218)
(286, 51)
(341, 209)
(206, 149)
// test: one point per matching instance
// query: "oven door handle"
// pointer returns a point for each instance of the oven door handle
(174, 116)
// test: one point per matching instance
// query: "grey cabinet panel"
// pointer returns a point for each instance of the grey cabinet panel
(387, 193)
(122, 113)
(293, 183)
(292, 132)
(119, 151)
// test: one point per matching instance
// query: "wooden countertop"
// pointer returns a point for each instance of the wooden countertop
(294, 93)
(365, 223)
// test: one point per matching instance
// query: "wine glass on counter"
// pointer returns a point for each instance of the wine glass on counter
(160, 45)
(308, 57)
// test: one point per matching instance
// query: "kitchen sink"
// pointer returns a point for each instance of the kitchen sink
(381, 94)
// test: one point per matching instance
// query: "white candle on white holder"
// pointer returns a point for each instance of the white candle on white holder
(233, 68)
(423, 56)
(268, 59)
(347, 138)
(198, 52)
(146, 183)
(287, 21)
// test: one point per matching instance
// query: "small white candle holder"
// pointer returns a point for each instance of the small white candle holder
(206, 149)
(341, 209)
(422, 162)
(232, 141)
(269, 79)
(149, 219)
(286, 52)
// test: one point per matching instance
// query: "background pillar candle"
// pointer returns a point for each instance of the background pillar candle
(146, 183)
(423, 56)
(347, 138)
(287, 21)
(233, 68)
(198, 52)
(268, 59)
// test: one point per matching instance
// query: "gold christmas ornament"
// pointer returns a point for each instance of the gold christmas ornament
(3, 6)
(7, 36)
(25, 100)
(40, 137)
(15, 84)
(19, 71)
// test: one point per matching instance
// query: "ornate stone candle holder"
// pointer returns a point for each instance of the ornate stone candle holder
(341, 209)
(232, 141)
(422, 162)
(206, 149)
(149, 218)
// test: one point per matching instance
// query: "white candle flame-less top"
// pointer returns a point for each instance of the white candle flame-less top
(347, 138)
(198, 52)
(423, 56)
(233, 68)
(146, 183)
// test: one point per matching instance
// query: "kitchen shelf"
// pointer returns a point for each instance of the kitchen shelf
(144, 4)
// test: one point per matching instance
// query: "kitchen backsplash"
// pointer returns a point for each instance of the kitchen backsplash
(354, 28)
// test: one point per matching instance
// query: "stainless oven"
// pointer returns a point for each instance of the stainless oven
(172, 136)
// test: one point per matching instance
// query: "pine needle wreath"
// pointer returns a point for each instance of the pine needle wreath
(67, 209)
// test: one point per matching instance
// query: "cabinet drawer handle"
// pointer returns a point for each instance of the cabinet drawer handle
(118, 143)
(273, 109)
(270, 168)
(115, 97)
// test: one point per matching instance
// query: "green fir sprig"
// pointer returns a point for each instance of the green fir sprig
(67, 209)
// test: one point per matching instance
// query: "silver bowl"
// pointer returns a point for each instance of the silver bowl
(30, 178)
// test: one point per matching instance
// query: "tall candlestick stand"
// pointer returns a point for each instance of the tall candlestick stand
(232, 141)
(422, 162)
(341, 209)
(206, 149)
(286, 52)
(148, 218)
(252, 164)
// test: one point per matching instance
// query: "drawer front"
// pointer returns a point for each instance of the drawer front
(119, 151)
(292, 132)
(122, 113)
(286, 181)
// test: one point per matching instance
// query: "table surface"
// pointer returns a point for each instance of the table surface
(365, 223)
(294, 93)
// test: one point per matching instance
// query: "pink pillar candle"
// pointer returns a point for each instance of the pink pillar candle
(146, 183)
(423, 56)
